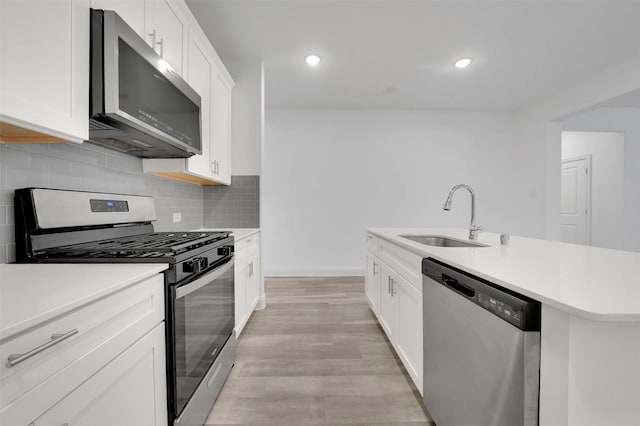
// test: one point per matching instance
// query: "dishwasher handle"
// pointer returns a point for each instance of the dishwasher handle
(454, 284)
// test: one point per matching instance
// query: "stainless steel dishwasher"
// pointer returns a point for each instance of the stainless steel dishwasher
(481, 350)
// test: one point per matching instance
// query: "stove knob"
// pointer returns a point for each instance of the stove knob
(224, 251)
(192, 266)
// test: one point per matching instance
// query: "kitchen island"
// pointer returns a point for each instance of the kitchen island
(590, 338)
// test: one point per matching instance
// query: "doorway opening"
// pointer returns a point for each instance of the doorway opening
(592, 188)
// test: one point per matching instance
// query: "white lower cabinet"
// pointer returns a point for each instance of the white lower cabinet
(372, 282)
(388, 315)
(409, 335)
(397, 304)
(127, 391)
(106, 367)
(248, 279)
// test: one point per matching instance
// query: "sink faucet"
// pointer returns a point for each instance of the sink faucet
(474, 229)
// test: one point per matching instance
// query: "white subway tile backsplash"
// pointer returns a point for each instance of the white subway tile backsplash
(234, 206)
(92, 168)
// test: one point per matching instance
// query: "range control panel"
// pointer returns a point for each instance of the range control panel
(501, 309)
(102, 206)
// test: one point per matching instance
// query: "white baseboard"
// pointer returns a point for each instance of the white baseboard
(308, 272)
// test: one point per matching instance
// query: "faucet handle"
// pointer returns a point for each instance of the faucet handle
(474, 230)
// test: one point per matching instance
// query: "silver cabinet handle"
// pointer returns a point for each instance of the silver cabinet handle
(15, 359)
(374, 268)
(161, 44)
(389, 286)
(153, 39)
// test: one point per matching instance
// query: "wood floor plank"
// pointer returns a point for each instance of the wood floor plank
(317, 356)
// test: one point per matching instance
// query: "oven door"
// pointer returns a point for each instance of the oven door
(202, 319)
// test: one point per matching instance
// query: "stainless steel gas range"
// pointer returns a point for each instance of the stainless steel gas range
(58, 226)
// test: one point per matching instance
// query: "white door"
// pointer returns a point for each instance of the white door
(575, 202)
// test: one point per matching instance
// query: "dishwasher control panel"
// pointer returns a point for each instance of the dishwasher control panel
(516, 309)
(501, 309)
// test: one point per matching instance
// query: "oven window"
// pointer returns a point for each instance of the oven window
(204, 320)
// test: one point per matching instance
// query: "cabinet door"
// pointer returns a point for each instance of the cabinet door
(130, 390)
(221, 135)
(388, 305)
(372, 283)
(199, 77)
(132, 12)
(170, 33)
(409, 337)
(44, 77)
(253, 285)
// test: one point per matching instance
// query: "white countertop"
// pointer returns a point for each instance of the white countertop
(34, 293)
(238, 233)
(595, 283)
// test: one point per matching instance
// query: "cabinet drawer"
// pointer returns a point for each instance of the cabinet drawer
(97, 332)
(407, 264)
(247, 247)
(373, 244)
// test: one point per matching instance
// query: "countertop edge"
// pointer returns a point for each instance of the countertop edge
(238, 233)
(27, 324)
(421, 249)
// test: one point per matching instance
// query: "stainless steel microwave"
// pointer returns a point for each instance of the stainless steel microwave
(138, 104)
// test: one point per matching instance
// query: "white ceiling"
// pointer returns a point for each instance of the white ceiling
(400, 54)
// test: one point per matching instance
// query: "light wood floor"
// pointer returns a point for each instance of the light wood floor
(316, 355)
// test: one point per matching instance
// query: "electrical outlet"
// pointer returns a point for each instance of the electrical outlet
(177, 217)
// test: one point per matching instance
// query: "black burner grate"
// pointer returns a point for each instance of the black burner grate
(157, 244)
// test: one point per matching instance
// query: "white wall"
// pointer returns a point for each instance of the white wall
(537, 135)
(247, 116)
(607, 182)
(626, 120)
(328, 174)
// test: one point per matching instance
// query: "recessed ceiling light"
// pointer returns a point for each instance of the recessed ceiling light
(312, 60)
(463, 62)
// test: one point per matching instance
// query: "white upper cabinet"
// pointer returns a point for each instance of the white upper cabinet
(44, 76)
(167, 32)
(159, 22)
(132, 12)
(205, 72)
(199, 77)
(221, 122)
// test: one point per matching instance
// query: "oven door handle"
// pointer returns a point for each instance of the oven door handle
(201, 282)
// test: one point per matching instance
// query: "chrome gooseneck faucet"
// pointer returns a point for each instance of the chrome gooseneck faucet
(474, 229)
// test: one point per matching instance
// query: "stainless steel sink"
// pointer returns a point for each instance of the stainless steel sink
(439, 241)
